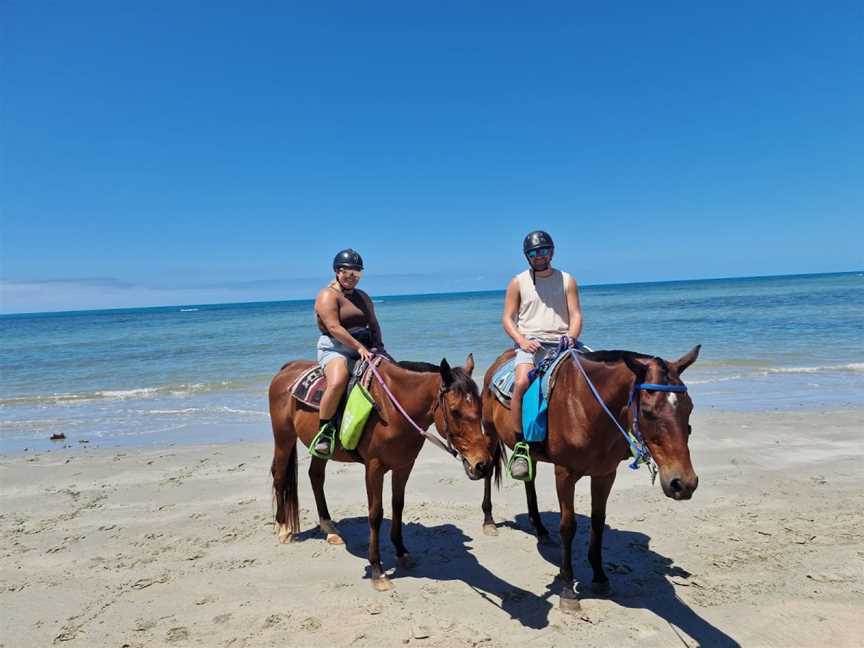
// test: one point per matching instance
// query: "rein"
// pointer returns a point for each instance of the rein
(638, 449)
(435, 440)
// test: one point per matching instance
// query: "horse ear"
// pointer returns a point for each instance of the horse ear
(446, 373)
(687, 359)
(469, 364)
(636, 366)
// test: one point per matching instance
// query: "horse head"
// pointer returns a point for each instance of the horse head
(664, 419)
(458, 417)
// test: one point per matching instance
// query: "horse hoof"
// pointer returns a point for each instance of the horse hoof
(570, 605)
(601, 589)
(285, 536)
(490, 530)
(381, 584)
(406, 561)
(334, 539)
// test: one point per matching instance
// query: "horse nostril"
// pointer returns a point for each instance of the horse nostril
(676, 485)
(480, 468)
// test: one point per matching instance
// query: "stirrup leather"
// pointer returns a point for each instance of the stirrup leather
(328, 431)
(521, 449)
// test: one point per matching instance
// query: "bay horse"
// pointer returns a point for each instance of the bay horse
(583, 440)
(428, 393)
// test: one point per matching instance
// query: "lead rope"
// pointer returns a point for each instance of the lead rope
(638, 450)
(395, 402)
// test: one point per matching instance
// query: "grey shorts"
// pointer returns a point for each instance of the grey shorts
(330, 348)
(523, 357)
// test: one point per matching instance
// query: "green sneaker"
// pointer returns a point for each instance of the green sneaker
(520, 465)
(323, 445)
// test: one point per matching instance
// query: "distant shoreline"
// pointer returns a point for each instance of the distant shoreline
(406, 296)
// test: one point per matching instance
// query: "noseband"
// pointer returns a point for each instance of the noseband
(638, 448)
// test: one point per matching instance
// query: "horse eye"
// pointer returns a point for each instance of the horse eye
(456, 413)
(651, 416)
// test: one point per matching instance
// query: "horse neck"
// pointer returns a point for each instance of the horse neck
(415, 391)
(613, 382)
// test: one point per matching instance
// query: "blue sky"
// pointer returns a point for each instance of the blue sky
(164, 153)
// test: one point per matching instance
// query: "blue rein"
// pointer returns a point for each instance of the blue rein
(638, 449)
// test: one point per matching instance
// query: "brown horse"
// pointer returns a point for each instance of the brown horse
(583, 440)
(428, 393)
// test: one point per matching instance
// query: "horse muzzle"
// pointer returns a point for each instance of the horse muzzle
(679, 487)
(478, 470)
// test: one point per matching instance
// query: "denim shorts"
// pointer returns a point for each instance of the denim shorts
(523, 357)
(330, 348)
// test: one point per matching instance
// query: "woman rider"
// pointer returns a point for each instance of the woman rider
(349, 328)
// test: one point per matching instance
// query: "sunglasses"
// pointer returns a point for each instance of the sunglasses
(541, 252)
(350, 271)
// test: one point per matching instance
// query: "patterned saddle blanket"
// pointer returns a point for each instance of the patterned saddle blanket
(310, 385)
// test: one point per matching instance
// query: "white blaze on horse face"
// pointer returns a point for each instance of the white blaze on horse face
(672, 398)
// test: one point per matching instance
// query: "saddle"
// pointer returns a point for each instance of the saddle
(310, 385)
(504, 377)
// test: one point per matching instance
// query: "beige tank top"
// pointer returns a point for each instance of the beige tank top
(543, 310)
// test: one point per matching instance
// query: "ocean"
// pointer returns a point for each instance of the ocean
(199, 373)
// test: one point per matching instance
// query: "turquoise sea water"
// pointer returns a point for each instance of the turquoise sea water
(200, 373)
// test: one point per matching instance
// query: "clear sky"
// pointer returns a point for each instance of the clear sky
(185, 152)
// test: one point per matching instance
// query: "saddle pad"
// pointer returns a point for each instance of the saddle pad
(502, 382)
(310, 386)
(505, 376)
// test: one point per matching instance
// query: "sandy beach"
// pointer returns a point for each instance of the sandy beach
(175, 546)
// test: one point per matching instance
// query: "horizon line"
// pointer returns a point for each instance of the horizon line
(421, 294)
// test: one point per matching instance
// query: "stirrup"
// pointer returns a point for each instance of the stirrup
(521, 449)
(327, 431)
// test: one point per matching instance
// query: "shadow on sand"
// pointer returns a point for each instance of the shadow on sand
(443, 553)
(637, 574)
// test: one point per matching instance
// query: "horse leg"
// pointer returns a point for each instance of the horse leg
(565, 485)
(284, 471)
(489, 527)
(375, 494)
(600, 489)
(317, 469)
(399, 479)
(534, 513)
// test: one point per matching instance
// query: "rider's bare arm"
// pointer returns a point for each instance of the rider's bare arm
(511, 312)
(574, 308)
(327, 308)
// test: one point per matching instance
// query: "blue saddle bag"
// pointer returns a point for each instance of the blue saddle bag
(534, 413)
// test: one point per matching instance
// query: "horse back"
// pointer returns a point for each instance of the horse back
(280, 385)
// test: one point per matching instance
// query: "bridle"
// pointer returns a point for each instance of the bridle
(638, 448)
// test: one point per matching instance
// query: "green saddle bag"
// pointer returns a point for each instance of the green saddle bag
(357, 410)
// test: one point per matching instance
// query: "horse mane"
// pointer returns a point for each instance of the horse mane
(462, 382)
(614, 356)
(419, 367)
(619, 356)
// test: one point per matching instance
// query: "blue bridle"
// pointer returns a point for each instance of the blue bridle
(638, 449)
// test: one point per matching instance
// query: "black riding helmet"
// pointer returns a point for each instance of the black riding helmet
(535, 240)
(348, 259)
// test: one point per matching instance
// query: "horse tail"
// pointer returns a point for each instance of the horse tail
(500, 458)
(292, 504)
(284, 471)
